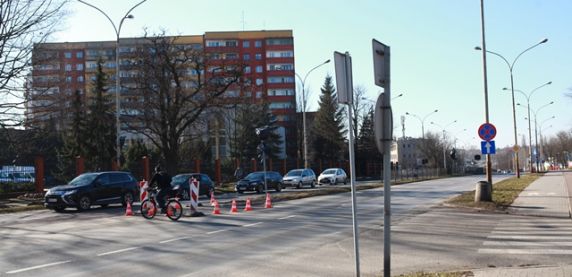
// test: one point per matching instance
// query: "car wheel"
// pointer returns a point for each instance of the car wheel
(313, 184)
(345, 181)
(127, 198)
(259, 189)
(299, 186)
(278, 187)
(84, 203)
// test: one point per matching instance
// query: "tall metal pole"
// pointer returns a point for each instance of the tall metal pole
(303, 81)
(117, 84)
(484, 47)
(516, 163)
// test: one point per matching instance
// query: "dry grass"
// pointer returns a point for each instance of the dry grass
(504, 193)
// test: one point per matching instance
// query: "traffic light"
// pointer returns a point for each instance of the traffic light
(477, 157)
(453, 154)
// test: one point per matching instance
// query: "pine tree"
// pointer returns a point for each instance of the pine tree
(74, 140)
(101, 125)
(328, 129)
(134, 158)
(250, 117)
(366, 146)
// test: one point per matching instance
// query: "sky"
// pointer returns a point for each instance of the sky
(433, 61)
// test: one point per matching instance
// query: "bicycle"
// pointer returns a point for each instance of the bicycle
(172, 205)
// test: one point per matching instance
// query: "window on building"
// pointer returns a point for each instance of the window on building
(258, 57)
(231, 56)
(79, 55)
(280, 92)
(245, 44)
(68, 79)
(247, 69)
(259, 69)
(275, 67)
(259, 81)
(231, 43)
(259, 94)
(280, 105)
(280, 79)
(246, 57)
(258, 44)
(79, 66)
(68, 55)
(80, 79)
(279, 41)
(68, 67)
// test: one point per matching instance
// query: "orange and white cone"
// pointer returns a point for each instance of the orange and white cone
(268, 201)
(216, 208)
(248, 206)
(212, 198)
(129, 211)
(233, 209)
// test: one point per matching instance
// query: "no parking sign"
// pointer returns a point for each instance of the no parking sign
(487, 131)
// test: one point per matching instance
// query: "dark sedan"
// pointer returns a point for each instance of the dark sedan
(206, 185)
(255, 182)
(98, 188)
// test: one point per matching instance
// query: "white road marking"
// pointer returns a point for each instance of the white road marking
(533, 238)
(526, 251)
(36, 267)
(117, 251)
(217, 231)
(290, 216)
(539, 232)
(252, 224)
(171, 240)
(527, 243)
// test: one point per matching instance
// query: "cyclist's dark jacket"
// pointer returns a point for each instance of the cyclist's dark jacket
(161, 179)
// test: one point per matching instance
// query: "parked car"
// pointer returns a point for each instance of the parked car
(299, 177)
(97, 188)
(255, 182)
(206, 185)
(333, 176)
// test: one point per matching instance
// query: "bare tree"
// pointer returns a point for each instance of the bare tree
(358, 107)
(22, 24)
(177, 83)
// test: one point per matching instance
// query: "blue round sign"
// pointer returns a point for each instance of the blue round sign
(487, 131)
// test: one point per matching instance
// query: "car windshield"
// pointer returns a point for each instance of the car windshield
(255, 176)
(83, 179)
(329, 171)
(297, 172)
(180, 178)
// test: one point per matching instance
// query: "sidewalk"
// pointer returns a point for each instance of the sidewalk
(546, 197)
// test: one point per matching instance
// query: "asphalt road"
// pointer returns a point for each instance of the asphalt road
(306, 237)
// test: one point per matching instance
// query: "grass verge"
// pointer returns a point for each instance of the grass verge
(439, 274)
(504, 193)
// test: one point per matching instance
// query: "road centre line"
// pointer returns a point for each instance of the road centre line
(116, 251)
(252, 224)
(290, 216)
(37, 267)
(171, 240)
(217, 231)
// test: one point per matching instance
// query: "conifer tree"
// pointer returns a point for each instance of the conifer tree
(328, 129)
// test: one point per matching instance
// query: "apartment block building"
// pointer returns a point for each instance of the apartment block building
(267, 57)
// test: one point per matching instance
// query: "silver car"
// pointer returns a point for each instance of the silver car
(300, 177)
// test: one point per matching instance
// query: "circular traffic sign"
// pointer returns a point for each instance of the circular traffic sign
(487, 131)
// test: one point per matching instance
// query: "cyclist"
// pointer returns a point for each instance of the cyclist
(162, 180)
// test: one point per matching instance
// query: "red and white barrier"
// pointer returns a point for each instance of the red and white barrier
(194, 191)
(143, 185)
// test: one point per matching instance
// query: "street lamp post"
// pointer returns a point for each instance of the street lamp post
(117, 84)
(303, 81)
(527, 96)
(422, 120)
(536, 131)
(444, 150)
(511, 67)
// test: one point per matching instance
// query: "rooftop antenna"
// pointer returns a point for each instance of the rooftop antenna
(243, 22)
(403, 125)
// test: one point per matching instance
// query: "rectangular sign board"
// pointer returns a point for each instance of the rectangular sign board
(488, 147)
(344, 83)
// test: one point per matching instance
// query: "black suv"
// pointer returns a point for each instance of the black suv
(98, 188)
(206, 185)
(255, 182)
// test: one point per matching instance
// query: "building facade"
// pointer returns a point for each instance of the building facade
(267, 59)
(406, 152)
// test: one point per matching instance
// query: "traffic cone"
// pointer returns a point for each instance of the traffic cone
(129, 211)
(212, 198)
(268, 201)
(233, 209)
(216, 208)
(248, 206)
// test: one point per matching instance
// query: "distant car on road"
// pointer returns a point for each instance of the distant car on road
(206, 185)
(333, 176)
(255, 182)
(97, 188)
(300, 177)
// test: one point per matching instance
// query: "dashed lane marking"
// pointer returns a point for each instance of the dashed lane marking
(290, 216)
(217, 231)
(171, 240)
(252, 224)
(117, 251)
(36, 267)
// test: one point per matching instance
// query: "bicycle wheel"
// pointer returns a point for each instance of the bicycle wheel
(148, 209)
(174, 209)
